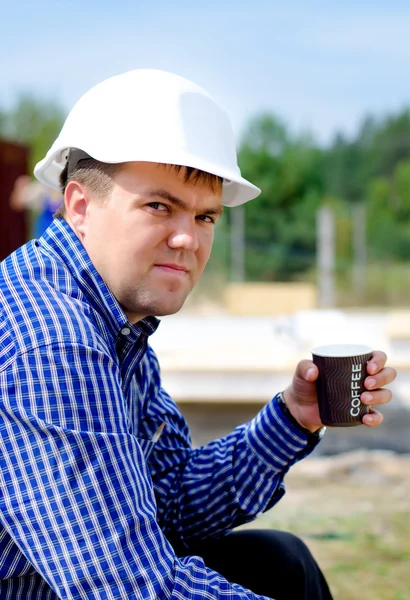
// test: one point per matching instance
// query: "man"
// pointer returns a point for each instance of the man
(102, 493)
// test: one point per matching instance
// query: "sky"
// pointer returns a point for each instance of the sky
(318, 65)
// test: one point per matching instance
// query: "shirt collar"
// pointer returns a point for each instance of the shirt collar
(61, 240)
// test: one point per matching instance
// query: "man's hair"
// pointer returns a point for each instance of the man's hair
(95, 175)
(98, 178)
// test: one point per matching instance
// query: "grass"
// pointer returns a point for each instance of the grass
(384, 284)
(370, 559)
(358, 532)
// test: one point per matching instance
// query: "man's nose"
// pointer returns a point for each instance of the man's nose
(184, 234)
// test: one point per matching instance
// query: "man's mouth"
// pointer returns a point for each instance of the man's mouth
(172, 268)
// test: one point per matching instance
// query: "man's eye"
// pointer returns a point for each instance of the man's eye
(158, 206)
(206, 219)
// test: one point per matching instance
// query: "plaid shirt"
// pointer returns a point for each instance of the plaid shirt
(87, 500)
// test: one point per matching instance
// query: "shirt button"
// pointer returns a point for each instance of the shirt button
(125, 331)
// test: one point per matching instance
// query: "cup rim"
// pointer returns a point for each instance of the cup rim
(341, 350)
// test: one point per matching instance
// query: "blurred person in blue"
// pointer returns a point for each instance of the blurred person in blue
(102, 493)
(42, 200)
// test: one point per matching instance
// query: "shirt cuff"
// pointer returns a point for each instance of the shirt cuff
(276, 440)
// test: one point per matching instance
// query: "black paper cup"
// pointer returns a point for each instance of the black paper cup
(342, 371)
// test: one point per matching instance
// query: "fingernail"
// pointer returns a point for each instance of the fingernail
(370, 383)
(370, 419)
(372, 368)
(366, 398)
(310, 372)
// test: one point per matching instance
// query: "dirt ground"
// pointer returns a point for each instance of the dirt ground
(353, 511)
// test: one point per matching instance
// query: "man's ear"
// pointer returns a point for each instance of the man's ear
(76, 203)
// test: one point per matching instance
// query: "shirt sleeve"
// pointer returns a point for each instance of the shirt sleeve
(212, 489)
(75, 492)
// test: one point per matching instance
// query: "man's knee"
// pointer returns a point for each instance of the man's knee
(272, 563)
(279, 546)
(295, 555)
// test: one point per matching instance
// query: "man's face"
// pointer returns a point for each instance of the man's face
(151, 238)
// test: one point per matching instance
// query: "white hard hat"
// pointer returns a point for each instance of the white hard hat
(153, 116)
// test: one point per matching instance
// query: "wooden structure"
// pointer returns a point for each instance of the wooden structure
(13, 225)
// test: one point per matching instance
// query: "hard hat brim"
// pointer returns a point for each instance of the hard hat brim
(236, 189)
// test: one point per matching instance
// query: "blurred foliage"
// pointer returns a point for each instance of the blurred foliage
(297, 176)
(280, 226)
(34, 123)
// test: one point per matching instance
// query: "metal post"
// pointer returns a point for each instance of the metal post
(238, 243)
(359, 248)
(326, 256)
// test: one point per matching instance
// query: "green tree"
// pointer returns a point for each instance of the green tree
(343, 166)
(388, 210)
(390, 145)
(280, 225)
(402, 190)
(33, 122)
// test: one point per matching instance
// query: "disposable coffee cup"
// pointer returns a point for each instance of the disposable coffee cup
(342, 371)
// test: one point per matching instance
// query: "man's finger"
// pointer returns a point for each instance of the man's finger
(384, 377)
(378, 397)
(373, 419)
(377, 362)
(307, 370)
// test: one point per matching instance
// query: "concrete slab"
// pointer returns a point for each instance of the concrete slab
(251, 358)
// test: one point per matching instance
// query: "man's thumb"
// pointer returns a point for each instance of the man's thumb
(307, 370)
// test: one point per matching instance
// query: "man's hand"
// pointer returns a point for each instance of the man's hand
(301, 398)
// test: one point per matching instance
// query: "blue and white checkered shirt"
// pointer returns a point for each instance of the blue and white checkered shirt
(87, 500)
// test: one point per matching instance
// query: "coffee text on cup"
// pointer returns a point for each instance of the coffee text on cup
(355, 389)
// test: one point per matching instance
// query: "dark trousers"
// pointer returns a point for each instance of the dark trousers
(267, 562)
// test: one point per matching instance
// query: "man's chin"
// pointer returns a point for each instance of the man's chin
(168, 310)
(161, 307)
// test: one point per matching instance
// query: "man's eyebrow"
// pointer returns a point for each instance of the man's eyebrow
(165, 195)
